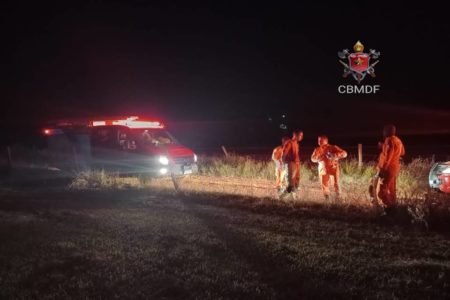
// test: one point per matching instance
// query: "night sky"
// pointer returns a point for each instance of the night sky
(223, 63)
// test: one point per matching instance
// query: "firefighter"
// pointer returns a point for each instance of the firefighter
(388, 166)
(146, 136)
(328, 156)
(291, 157)
(280, 169)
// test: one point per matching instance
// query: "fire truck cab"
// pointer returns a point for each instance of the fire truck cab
(131, 145)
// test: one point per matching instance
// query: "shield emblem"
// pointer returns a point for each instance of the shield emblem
(359, 62)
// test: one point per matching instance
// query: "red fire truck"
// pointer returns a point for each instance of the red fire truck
(126, 145)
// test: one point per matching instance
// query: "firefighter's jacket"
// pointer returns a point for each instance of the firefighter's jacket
(291, 151)
(328, 158)
(391, 151)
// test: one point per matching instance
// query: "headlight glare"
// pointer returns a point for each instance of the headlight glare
(163, 160)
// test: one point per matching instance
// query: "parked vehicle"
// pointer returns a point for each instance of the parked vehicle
(126, 145)
(439, 177)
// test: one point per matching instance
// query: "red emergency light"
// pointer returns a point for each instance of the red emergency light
(51, 131)
(130, 122)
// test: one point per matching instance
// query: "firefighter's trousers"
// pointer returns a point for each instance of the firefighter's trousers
(325, 182)
(388, 187)
(280, 174)
(293, 172)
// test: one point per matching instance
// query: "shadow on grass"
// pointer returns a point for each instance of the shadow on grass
(303, 209)
(276, 271)
(32, 178)
(45, 277)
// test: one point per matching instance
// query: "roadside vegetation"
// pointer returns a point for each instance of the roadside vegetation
(246, 177)
(412, 182)
(413, 179)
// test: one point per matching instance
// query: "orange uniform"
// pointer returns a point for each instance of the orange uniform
(389, 168)
(328, 158)
(277, 156)
(291, 156)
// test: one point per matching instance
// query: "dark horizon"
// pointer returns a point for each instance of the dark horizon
(235, 63)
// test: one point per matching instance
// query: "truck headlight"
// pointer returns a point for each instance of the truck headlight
(195, 157)
(163, 160)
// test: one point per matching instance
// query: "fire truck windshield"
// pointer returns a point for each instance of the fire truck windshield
(152, 137)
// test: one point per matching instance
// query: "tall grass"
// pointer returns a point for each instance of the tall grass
(412, 180)
(423, 205)
(235, 166)
(242, 175)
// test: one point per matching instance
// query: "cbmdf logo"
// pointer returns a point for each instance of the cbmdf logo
(358, 64)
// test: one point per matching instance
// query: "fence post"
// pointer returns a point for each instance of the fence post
(360, 156)
(225, 151)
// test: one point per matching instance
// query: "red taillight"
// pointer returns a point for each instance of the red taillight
(51, 131)
(445, 183)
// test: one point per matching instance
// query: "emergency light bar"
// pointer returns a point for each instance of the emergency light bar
(130, 122)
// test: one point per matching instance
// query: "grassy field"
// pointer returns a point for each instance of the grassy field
(223, 235)
(148, 243)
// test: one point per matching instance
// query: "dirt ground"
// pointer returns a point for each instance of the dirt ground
(156, 244)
